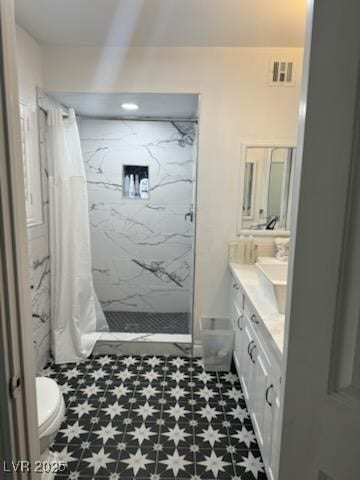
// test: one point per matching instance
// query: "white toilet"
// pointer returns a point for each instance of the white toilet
(51, 410)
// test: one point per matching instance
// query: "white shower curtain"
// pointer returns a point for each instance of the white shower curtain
(76, 315)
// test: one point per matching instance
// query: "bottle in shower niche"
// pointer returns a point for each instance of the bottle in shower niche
(126, 185)
(144, 187)
(132, 187)
(137, 186)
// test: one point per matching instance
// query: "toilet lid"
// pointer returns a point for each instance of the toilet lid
(48, 399)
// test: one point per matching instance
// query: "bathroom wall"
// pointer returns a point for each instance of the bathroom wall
(236, 104)
(30, 72)
(141, 249)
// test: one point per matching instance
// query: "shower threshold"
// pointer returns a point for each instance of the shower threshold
(146, 333)
(148, 322)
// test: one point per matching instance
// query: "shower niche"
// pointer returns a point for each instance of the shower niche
(136, 181)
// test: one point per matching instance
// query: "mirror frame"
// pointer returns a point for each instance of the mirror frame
(244, 146)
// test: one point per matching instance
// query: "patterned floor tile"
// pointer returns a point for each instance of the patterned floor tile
(154, 418)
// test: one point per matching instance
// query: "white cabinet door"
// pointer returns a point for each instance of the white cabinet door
(237, 335)
(237, 318)
(237, 301)
(260, 393)
(261, 377)
(268, 420)
(259, 374)
(273, 462)
(247, 365)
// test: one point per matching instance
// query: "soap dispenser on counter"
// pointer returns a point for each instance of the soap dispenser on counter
(243, 251)
(237, 251)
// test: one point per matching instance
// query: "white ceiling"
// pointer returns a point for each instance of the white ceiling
(151, 105)
(254, 23)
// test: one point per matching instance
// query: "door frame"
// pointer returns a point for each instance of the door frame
(15, 313)
(194, 348)
(328, 147)
(19, 419)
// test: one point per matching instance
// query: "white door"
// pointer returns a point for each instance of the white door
(321, 398)
(18, 417)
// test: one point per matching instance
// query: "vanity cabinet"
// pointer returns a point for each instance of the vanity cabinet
(259, 373)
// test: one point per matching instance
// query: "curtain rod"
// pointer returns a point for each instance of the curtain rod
(142, 119)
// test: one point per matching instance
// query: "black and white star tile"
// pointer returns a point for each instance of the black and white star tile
(155, 418)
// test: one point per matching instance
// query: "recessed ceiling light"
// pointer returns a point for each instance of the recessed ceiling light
(129, 106)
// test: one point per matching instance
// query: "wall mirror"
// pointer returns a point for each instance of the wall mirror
(265, 186)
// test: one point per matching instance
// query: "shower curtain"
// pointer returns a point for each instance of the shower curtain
(76, 315)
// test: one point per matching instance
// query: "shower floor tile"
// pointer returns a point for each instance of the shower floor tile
(148, 322)
(153, 417)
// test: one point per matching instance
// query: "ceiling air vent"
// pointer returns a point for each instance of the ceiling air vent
(281, 73)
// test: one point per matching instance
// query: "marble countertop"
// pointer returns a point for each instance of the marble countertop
(273, 321)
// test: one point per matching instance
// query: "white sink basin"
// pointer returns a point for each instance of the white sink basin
(273, 280)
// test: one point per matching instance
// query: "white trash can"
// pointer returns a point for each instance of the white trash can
(217, 336)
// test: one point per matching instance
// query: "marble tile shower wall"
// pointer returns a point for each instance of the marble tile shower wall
(39, 257)
(39, 252)
(141, 249)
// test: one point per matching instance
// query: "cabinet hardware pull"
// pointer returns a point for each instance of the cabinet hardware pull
(238, 322)
(254, 319)
(236, 286)
(249, 346)
(251, 353)
(267, 394)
